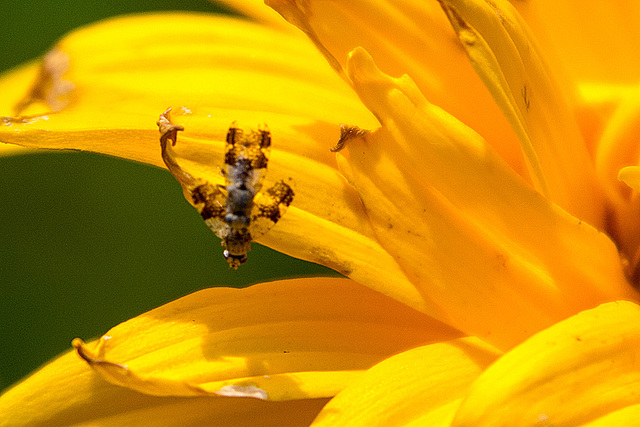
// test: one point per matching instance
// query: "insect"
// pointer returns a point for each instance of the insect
(237, 212)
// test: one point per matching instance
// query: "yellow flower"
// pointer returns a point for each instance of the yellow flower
(491, 251)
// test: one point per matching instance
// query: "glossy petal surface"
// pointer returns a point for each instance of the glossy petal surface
(576, 371)
(287, 340)
(422, 386)
(467, 230)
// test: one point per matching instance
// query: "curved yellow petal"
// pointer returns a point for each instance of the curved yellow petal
(421, 386)
(256, 10)
(616, 156)
(325, 222)
(501, 261)
(16, 81)
(122, 73)
(627, 416)
(10, 150)
(574, 372)
(594, 41)
(617, 146)
(626, 227)
(411, 37)
(308, 348)
(594, 106)
(81, 399)
(295, 339)
(630, 176)
(507, 58)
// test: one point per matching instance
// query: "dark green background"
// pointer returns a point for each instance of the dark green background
(88, 241)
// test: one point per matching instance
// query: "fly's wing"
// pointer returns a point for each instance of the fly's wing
(268, 207)
(210, 201)
(249, 153)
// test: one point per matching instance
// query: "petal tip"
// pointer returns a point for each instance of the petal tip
(630, 175)
(360, 65)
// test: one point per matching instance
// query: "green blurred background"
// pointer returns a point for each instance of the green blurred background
(88, 241)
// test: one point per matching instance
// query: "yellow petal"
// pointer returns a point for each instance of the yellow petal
(574, 372)
(507, 58)
(630, 176)
(627, 416)
(11, 91)
(124, 72)
(421, 386)
(617, 146)
(412, 37)
(626, 229)
(80, 399)
(501, 261)
(121, 73)
(10, 150)
(593, 106)
(256, 10)
(334, 232)
(296, 339)
(617, 155)
(595, 41)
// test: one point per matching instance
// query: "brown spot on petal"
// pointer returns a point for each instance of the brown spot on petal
(329, 259)
(49, 86)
